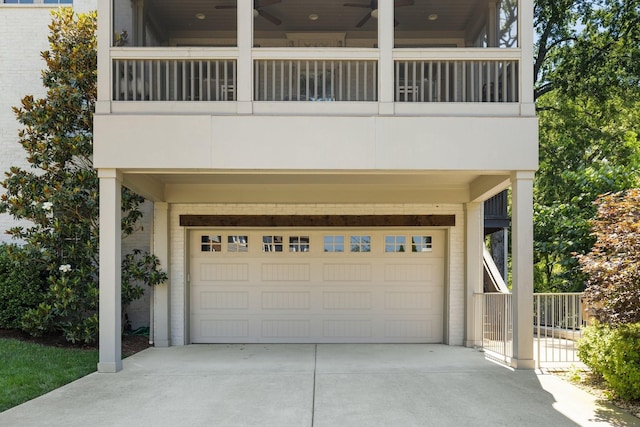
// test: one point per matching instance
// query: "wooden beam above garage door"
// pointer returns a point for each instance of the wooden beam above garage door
(317, 220)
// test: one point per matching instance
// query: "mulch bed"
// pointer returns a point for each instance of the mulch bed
(131, 344)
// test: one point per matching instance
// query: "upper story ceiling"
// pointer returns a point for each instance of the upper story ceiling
(332, 15)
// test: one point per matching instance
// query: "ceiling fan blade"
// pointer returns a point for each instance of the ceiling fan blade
(366, 6)
(364, 20)
(265, 3)
(401, 3)
(269, 17)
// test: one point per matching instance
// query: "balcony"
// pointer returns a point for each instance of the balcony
(323, 54)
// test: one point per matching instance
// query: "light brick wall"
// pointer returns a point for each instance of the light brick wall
(24, 29)
(23, 36)
(454, 271)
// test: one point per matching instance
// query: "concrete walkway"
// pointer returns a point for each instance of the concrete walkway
(321, 385)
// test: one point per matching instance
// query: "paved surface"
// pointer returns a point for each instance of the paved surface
(321, 385)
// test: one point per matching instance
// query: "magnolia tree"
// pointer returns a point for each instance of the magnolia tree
(58, 194)
(613, 265)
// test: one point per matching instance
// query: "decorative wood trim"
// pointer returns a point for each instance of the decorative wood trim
(317, 220)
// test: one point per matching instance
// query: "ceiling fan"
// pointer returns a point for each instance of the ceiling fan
(258, 6)
(373, 12)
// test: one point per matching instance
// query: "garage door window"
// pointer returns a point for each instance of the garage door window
(360, 243)
(421, 244)
(272, 244)
(238, 244)
(211, 243)
(395, 243)
(299, 244)
(334, 243)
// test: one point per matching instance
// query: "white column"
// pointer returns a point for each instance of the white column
(110, 271)
(525, 43)
(244, 83)
(522, 269)
(385, 64)
(474, 217)
(162, 336)
(104, 34)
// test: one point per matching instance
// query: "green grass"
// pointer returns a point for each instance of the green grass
(29, 370)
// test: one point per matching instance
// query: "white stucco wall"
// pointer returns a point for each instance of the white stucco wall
(454, 273)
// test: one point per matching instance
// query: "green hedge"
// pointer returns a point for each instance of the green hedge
(614, 353)
(22, 285)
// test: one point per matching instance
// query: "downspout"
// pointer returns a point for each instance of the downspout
(151, 319)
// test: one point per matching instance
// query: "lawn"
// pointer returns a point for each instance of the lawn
(29, 370)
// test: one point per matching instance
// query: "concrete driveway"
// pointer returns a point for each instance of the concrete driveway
(315, 385)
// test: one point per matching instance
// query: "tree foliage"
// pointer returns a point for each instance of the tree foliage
(613, 265)
(587, 148)
(58, 193)
(587, 72)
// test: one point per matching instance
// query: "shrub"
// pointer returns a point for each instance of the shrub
(613, 265)
(22, 285)
(613, 352)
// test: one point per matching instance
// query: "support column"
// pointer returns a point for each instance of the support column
(162, 331)
(385, 65)
(522, 269)
(474, 217)
(110, 271)
(244, 82)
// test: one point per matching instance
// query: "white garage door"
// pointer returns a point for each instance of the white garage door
(316, 286)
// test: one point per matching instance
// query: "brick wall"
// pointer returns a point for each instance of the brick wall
(454, 270)
(23, 35)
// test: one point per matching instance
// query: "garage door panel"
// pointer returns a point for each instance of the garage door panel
(281, 272)
(350, 301)
(221, 300)
(286, 300)
(224, 272)
(286, 328)
(344, 272)
(315, 296)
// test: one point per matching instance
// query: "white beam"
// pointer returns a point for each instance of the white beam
(486, 186)
(162, 331)
(385, 66)
(522, 269)
(474, 217)
(244, 83)
(110, 353)
(146, 186)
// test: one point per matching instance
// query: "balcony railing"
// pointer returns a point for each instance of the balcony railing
(341, 75)
(174, 80)
(456, 81)
(315, 80)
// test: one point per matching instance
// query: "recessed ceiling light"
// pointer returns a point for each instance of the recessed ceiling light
(374, 13)
(432, 17)
(200, 16)
(313, 17)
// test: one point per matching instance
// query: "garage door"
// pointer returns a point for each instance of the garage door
(316, 286)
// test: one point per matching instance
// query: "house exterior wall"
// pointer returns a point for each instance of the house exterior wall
(454, 270)
(311, 142)
(24, 31)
